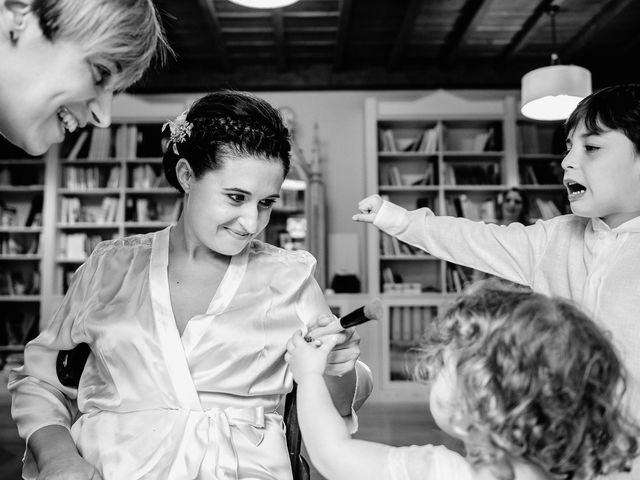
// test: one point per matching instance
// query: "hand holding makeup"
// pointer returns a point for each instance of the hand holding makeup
(370, 311)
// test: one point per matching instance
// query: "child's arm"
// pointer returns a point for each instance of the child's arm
(511, 252)
(333, 452)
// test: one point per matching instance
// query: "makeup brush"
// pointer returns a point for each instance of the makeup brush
(370, 311)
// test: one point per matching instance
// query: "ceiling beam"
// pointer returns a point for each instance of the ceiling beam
(580, 40)
(529, 28)
(278, 30)
(408, 22)
(344, 19)
(211, 19)
(469, 15)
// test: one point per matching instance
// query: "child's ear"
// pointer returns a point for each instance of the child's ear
(184, 174)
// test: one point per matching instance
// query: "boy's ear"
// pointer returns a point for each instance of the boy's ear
(184, 174)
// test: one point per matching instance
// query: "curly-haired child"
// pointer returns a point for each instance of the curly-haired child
(528, 382)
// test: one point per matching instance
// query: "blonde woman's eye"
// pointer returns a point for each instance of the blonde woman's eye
(101, 75)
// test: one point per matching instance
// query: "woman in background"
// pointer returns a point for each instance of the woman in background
(62, 61)
(513, 207)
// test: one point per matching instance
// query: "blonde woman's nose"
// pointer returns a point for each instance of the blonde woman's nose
(100, 109)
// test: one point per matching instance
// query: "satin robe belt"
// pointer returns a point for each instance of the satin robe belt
(248, 421)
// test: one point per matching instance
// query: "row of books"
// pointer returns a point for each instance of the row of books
(19, 244)
(466, 174)
(550, 173)
(21, 175)
(73, 211)
(547, 139)
(395, 177)
(407, 323)
(17, 328)
(20, 282)
(101, 143)
(84, 178)
(142, 209)
(425, 141)
(463, 206)
(9, 214)
(144, 177)
(390, 245)
(78, 246)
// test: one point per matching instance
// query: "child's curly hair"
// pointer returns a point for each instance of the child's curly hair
(537, 380)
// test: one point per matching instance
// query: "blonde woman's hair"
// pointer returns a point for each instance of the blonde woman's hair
(537, 380)
(127, 33)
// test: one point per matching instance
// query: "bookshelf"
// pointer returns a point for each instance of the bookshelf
(453, 155)
(22, 180)
(110, 184)
(540, 148)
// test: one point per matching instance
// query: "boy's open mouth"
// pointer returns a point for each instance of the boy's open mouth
(575, 189)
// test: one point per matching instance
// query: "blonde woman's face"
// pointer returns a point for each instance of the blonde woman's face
(53, 88)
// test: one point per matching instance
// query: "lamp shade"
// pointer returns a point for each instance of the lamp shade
(552, 93)
(264, 3)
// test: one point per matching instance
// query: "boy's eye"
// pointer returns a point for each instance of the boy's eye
(591, 148)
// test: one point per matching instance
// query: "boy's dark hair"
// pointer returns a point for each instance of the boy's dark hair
(229, 123)
(613, 108)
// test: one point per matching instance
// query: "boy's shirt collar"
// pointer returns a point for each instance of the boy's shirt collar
(630, 226)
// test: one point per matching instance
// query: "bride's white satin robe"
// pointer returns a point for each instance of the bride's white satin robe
(155, 405)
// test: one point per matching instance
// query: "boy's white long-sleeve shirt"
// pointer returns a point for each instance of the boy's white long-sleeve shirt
(573, 257)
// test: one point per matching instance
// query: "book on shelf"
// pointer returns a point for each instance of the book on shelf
(79, 143)
(547, 208)
(19, 327)
(113, 181)
(100, 143)
(20, 282)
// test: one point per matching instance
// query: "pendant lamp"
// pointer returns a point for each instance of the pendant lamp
(264, 3)
(553, 92)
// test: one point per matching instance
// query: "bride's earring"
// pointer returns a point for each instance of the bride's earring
(14, 33)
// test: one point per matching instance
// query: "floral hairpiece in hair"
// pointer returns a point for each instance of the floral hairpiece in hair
(180, 130)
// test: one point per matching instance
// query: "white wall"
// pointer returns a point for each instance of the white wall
(340, 119)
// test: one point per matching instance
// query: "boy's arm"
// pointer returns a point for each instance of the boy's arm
(332, 451)
(510, 252)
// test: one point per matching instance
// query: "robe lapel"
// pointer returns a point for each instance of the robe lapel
(169, 338)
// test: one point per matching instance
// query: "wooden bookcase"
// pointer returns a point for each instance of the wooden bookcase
(453, 155)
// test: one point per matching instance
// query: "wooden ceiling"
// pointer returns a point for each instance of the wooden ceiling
(391, 44)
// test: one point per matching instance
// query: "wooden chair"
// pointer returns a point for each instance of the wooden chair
(70, 363)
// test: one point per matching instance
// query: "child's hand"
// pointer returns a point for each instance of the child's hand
(346, 346)
(307, 358)
(369, 208)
